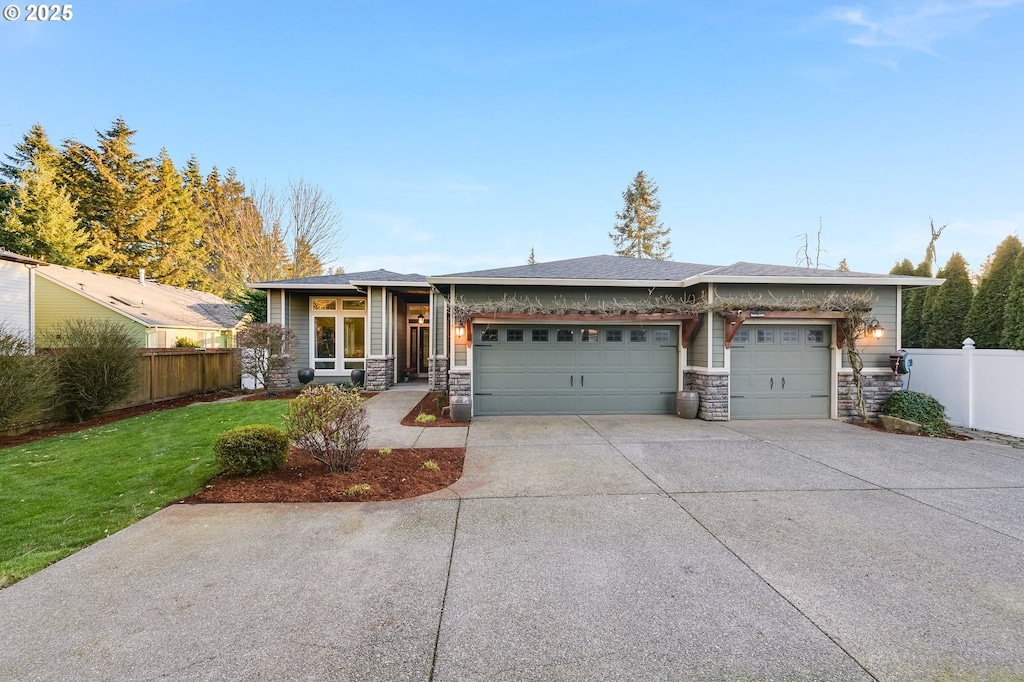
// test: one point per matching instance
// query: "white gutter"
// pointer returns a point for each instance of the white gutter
(894, 280)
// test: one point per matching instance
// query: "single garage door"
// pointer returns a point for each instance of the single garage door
(780, 372)
(563, 369)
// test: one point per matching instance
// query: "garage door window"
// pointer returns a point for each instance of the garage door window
(540, 335)
(816, 336)
(514, 335)
(588, 336)
(613, 335)
(662, 336)
(638, 336)
(742, 336)
(489, 335)
(790, 336)
(766, 336)
(564, 336)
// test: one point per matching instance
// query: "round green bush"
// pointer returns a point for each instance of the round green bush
(252, 449)
(920, 408)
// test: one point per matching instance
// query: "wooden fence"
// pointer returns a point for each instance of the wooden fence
(167, 373)
(164, 374)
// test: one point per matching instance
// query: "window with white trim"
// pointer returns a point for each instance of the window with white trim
(337, 334)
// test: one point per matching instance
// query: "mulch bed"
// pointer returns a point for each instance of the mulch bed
(429, 406)
(394, 476)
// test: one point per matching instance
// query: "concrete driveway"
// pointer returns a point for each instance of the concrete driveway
(573, 548)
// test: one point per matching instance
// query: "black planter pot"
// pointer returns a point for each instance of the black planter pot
(358, 375)
(306, 375)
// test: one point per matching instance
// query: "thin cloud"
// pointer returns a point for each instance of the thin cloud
(916, 27)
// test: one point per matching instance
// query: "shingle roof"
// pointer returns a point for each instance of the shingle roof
(743, 269)
(18, 258)
(346, 279)
(157, 305)
(594, 267)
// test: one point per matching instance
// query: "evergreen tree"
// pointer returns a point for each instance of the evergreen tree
(913, 303)
(843, 267)
(177, 253)
(40, 220)
(946, 307)
(638, 233)
(533, 258)
(988, 310)
(117, 199)
(1013, 317)
(34, 146)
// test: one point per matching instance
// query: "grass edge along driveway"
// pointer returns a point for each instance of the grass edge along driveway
(61, 494)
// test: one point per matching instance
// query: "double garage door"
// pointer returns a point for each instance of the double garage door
(566, 369)
(780, 372)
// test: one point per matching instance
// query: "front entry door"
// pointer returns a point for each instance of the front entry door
(419, 348)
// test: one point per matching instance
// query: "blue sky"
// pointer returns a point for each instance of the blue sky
(455, 136)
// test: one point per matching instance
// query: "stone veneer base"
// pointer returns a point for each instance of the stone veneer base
(714, 394)
(877, 387)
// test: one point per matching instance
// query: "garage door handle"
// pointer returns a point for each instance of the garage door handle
(581, 381)
(771, 384)
(571, 379)
(783, 383)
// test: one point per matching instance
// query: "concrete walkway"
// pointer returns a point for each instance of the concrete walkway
(573, 548)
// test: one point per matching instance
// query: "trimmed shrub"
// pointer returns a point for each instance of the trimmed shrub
(920, 408)
(26, 380)
(96, 364)
(329, 424)
(252, 449)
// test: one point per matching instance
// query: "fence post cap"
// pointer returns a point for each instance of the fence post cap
(968, 342)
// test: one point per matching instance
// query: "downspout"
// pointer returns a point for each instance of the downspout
(32, 305)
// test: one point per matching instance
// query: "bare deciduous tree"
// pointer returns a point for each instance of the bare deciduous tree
(314, 230)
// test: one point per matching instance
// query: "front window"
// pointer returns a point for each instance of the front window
(338, 334)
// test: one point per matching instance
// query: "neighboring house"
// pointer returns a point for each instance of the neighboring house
(157, 314)
(603, 335)
(17, 293)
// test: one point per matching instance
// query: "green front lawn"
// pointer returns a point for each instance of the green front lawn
(62, 494)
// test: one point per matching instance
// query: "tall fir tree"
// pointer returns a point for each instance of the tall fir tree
(988, 310)
(34, 147)
(177, 250)
(40, 220)
(946, 306)
(638, 234)
(1013, 316)
(117, 199)
(913, 303)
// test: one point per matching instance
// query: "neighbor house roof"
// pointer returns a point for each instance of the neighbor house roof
(347, 280)
(149, 303)
(624, 271)
(18, 258)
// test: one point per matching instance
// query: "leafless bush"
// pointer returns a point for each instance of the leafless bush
(330, 425)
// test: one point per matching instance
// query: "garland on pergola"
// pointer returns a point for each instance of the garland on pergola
(464, 311)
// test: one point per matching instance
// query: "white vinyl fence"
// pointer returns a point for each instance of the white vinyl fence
(981, 389)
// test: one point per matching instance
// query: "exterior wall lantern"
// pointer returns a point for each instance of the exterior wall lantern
(419, 318)
(876, 330)
(460, 330)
